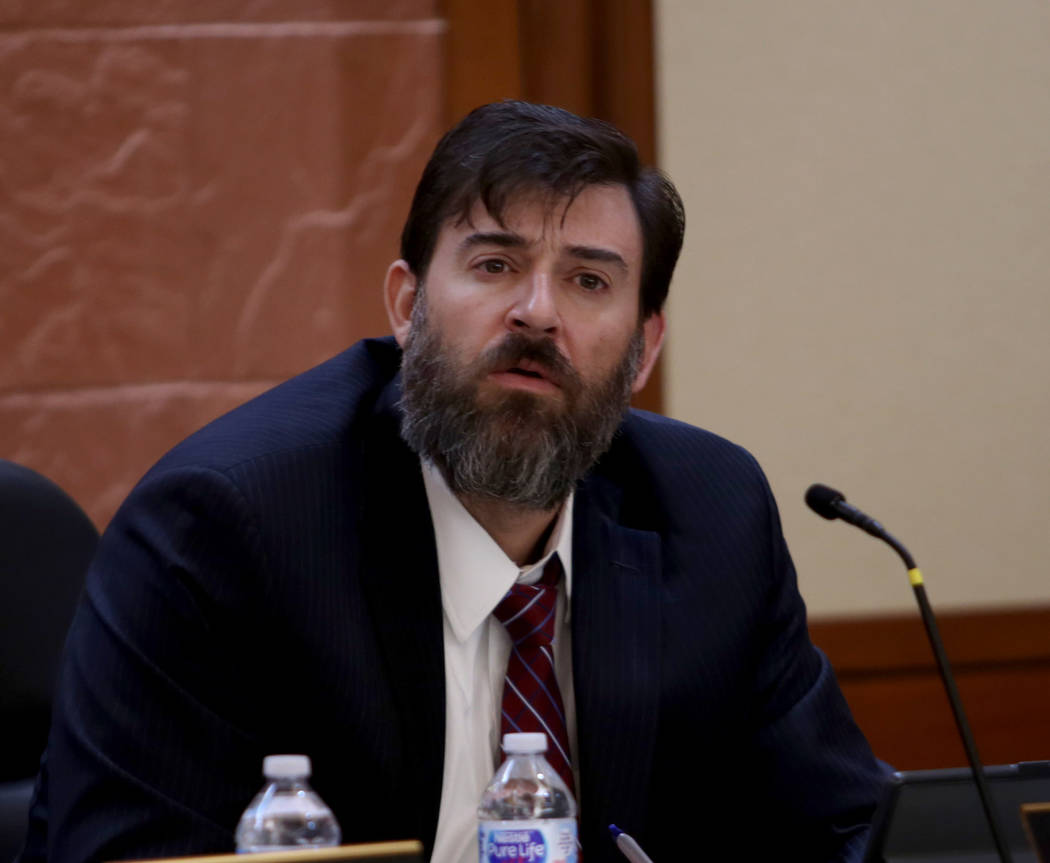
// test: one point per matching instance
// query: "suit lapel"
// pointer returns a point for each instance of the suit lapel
(616, 662)
(404, 595)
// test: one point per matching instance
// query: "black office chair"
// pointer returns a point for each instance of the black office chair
(46, 542)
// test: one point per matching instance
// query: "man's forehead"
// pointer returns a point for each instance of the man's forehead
(533, 215)
(554, 205)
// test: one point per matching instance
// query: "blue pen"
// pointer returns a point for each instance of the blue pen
(628, 847)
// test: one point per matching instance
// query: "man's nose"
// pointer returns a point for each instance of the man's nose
(535, 306)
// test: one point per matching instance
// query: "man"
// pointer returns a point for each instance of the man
(317, 571)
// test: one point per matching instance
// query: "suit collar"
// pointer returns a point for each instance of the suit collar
(399, 570)
(616, 661)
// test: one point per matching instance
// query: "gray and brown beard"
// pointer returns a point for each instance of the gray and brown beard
(515, 446)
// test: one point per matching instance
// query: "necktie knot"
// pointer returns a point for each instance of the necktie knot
(527, 612)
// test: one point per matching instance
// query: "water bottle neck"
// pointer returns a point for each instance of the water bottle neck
(289, 783)
(530, 761)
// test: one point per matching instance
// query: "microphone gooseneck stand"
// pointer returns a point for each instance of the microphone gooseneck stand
(831, 504)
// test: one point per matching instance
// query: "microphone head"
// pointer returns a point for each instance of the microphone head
(822, 500)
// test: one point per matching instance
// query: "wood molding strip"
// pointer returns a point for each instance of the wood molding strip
(972, 639)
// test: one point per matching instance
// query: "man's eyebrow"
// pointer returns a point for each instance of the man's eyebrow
(506, 239)
(509, 240)
(595, 253)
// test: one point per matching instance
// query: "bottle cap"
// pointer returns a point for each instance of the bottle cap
(523, 744)
(286, 766)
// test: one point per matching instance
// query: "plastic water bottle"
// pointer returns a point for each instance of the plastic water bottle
(527, 815)
(287, 813)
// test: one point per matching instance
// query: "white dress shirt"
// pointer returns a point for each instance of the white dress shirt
(475, 574)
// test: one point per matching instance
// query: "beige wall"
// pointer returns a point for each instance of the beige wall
(864, 296)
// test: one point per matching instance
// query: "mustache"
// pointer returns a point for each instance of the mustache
(516, 347)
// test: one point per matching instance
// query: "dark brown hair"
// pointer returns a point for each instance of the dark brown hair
(504, 149)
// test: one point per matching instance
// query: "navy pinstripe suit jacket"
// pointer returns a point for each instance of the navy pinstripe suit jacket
(271, 586)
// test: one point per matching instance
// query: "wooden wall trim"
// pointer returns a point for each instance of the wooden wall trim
(624, 64)
(1001, 660)
(482, 54)
(889, 644)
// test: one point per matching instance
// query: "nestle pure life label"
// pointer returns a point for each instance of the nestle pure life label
(545, 840)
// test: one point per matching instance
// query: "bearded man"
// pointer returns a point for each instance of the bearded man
(323, 569)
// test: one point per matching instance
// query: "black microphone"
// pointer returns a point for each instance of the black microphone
(831, 504)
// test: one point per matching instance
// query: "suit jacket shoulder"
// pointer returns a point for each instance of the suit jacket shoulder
(669, 475)
(321, 407)
(269, 586)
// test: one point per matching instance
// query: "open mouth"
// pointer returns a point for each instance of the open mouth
(529, 373)
(531, 369)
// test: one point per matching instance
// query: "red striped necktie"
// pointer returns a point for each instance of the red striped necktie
(531, 698)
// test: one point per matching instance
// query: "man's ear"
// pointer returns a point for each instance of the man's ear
(399, 294)
(653, 330)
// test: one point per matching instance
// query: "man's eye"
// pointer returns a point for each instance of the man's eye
(590, 282)
(494, 266)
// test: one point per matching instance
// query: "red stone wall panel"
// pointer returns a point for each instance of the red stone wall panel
(196, 201)
(94, 289)
(126, 13)
(340, 176)
(96, 443)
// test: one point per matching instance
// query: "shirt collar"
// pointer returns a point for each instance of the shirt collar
(475, 572)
